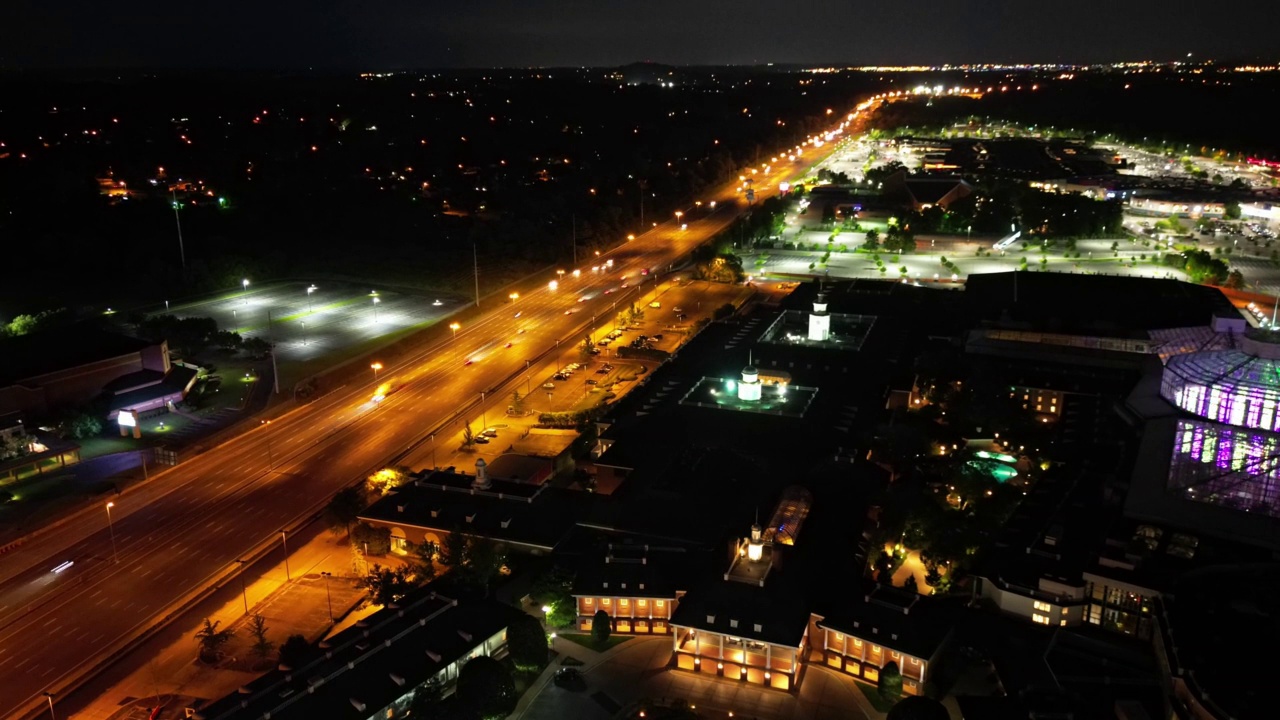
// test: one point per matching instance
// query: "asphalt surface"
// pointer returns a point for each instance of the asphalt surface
(219, 506)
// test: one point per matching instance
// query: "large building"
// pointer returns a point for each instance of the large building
(48, 372)
(371, 671)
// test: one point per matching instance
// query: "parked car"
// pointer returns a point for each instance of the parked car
(548, 386)
(490, 432)
(592, 381)
(655, 305)
(569, 678)
(481, 440)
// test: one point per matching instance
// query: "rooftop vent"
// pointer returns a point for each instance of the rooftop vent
(464, 635)
(357, 704)
(733, 623)
(641, 586)
(711, 619)
(435, 657)
(435, 512)
(506, 523)
(398, 680)
(759, 627)
(471, 517)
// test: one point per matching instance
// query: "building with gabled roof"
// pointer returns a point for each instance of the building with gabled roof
(372, 669)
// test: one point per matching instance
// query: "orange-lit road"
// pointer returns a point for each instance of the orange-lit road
(220, 506)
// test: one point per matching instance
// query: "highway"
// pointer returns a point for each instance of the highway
(220, 506)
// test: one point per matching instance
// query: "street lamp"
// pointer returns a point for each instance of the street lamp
(328, 597)
(376, 367)
(244, 594)
(115, 556)
(49, 696)
(514, 296)
(376, 300)
(310, 290)
(455, 327)
(284, 540)
(244, 285)
(679, 215)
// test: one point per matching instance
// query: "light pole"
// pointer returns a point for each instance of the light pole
(455, 327)
(304, 333)
(115, 556)
(182, 252)
(244, 594)
(679, 215)
(284, 540)
(514, 297)
(310, 290)
(49, 696)
(244, 285)
(483, 420)
(376, 300)
(328, 597)
(376, 367)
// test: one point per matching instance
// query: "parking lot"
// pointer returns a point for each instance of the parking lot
(317, 325)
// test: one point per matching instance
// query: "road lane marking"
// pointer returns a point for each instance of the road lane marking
(95, 640)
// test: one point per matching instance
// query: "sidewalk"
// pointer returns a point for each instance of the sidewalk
(173, 676)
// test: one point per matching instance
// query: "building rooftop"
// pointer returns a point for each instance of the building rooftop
(536, 516)
(156, 386)
(372, 664)
(1100, 304)
(769, 614)
(30, 356)
(902, 620)
(640, 570)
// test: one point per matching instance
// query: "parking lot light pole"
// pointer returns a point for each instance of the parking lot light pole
(327, 596)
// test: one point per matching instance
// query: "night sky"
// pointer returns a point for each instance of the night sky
(393, 34)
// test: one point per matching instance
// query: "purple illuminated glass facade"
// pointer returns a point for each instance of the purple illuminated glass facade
(1225, 386)
(1227, 466)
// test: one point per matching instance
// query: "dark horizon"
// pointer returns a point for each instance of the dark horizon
(539, 34)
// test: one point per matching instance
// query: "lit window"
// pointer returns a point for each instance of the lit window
(875, 648)
(587, 601)
(839, 637)
(857, 643)
(1038, 618)
(660, 603)
(1041, 606)
(896, 655)
(604, 601)
(623, 602)
(1063, 622)
(1053, 408)
(642, 602)
(915, 661)
(1037, 408)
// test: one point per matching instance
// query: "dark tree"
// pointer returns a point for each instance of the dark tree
(486, 687)
(527, 642)
(601, 627)
(344, 509)
(295, 651)
(387, 585)
(890, 682)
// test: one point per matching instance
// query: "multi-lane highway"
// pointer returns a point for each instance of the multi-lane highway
(220, 506)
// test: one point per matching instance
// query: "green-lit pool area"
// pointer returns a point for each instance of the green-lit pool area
(997, 465)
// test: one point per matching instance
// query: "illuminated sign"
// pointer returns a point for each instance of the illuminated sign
(127, 418)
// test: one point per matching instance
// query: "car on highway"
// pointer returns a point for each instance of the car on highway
(508, 345)
(519, 313)
(603, 371)
(625, 285)
(560, 376)
(548, 386)
(570, 311)
(468, 362)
